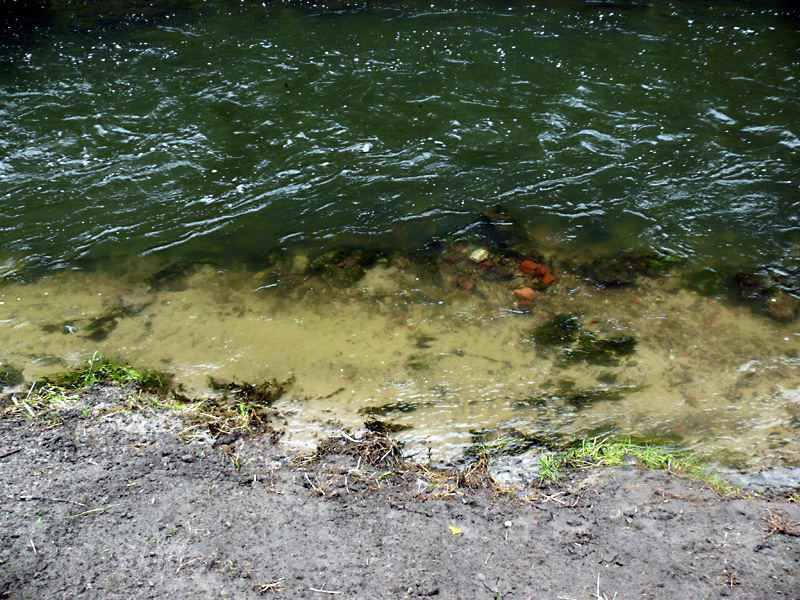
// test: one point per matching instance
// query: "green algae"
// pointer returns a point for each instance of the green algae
(576, 344)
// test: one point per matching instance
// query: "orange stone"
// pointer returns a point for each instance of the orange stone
(525, 293)
(531, 268)
(548, 278)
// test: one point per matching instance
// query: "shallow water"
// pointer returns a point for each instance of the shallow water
(246, 140)
(452, 364)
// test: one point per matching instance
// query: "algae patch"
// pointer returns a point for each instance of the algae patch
(565, 334)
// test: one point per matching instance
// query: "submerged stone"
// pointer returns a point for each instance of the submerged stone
(10, 376)
(480, 255)
(346, 265)
(624, 269)
(754, 285)
(783, 307)
(378, 426)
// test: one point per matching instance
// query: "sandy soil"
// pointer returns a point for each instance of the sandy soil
(115, 506)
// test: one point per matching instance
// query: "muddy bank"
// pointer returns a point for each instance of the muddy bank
(103, 502)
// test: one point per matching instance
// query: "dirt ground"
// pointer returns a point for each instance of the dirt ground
(110, 504)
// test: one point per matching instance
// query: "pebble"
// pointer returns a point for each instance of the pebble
(479, 255)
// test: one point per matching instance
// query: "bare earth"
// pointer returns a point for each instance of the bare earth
(115, 506)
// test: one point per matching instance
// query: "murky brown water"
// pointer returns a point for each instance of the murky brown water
(418, 350)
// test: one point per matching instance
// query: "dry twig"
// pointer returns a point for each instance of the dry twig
(778, 522)
(272, 586)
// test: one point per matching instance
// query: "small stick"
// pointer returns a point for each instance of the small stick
(34, 547)
(30, 391)
(188, 562)
(323, 591)
(10, 452)
(51, 499)
(92, 511)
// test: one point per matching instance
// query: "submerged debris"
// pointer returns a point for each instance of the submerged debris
(373, 449)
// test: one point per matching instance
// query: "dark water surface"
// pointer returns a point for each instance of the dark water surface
(233, 128)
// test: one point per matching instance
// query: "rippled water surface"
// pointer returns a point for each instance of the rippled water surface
(241, 141)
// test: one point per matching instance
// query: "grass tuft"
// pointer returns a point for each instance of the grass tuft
(599, 452)
(104, 370)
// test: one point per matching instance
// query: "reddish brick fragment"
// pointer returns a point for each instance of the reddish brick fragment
(525, 293)
(530, 267)
(548, 278)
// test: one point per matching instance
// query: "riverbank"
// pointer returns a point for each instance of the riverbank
(104, 502)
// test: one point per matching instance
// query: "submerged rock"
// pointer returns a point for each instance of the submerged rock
(480, 255)
(10, 376)
(754, 285)
(783, 307)
(626, 268)
(345, 266)
(378, 426)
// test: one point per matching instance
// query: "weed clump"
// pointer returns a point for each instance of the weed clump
(104, 370)
(243, 408)
(560, 330)
(263, 394)
(372, 449)
(591, 453)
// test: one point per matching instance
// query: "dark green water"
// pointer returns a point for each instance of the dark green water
(233, 129)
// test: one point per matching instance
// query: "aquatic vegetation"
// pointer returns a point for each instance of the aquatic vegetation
(509, 443)
(600, 351)
(570, 396)
(558, 331)
(601, 452)
(264, 393)
(565, 332)
(387, 409)
(103, 369)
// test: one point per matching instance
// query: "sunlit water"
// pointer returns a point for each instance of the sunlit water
(242, 137)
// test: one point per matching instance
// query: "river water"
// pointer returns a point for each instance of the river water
(170, 175)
